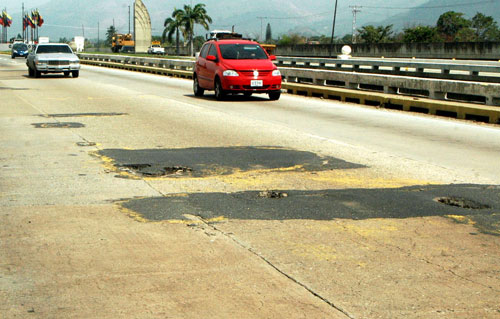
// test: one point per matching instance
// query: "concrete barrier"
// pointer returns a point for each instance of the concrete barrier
(441, 69)
(430, 96)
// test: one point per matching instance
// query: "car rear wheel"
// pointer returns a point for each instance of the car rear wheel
(75, 73)
(273, 96)
(219, 91)
(198, 91)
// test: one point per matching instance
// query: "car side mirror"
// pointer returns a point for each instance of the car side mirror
(272, 57)
(211, 58)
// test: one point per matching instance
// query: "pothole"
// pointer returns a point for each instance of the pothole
(58, 125)
(272, 194)
(148, 170)
(461, 202)
(83, 114)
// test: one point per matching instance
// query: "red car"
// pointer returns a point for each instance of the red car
(232, 66)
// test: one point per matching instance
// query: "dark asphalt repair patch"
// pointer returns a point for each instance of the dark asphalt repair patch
(82, 114)
(58, 125)
(406, 202)
(201, 162)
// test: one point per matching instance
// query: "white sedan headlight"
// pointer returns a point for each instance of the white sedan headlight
(276, 73)
(230, 73)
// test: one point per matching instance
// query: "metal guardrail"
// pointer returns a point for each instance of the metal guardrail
(438, 89)
(441, 69)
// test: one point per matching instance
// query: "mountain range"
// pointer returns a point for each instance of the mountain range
(68, 18)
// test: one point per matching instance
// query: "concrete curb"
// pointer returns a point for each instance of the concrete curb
(459, 110)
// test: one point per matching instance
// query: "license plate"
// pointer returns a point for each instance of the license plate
(256, 83)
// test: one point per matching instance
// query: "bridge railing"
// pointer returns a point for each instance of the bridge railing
(480, 71)
(469, 91)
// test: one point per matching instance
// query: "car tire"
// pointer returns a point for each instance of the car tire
(66, 73)
(31, 73)
(37, 73)
(247, 94)
(198, 91)
(219, 91)
(13, 56)
(275, 95)
(75, 74)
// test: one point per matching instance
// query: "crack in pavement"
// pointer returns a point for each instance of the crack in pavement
(268, 262)
(409, 254)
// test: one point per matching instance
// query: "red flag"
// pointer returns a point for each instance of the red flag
(40, 20)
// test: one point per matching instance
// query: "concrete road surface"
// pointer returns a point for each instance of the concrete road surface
(124, 196)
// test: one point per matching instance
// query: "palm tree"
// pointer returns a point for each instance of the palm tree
(191, 16)
(173, 25)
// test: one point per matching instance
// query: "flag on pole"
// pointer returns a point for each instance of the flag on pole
(6, 19)
(31, 23)
(1, 20)
(40, 19)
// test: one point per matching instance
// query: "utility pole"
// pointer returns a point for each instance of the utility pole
(128, 19)
(261, 26)
(333, 29)
(22, 24)
(83, 30)
(355, 11)
(98, 46)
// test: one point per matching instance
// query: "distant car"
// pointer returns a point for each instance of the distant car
(235, 65)
(156, 49)
(53, 58)
(127, 49)
(19, 49)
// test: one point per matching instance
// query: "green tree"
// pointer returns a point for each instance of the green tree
(109, 34)
(485, 27)
(292, 39)
(450, 23)
(173, 25)
(191, 16)
(269, 33)
(372, 34)
(420, 34)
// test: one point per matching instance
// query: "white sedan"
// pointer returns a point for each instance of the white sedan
(53, 58)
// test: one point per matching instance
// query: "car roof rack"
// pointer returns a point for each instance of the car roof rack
(229, 36)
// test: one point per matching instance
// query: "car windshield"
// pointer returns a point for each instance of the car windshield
(242, 52)
(20, 46)
(53, 49)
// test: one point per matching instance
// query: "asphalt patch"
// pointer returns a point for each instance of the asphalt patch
(356, 204)
(202, 162)
(82, 114)
(13, 89)
(58, 125)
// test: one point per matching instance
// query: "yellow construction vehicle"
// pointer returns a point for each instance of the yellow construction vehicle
(121, 40)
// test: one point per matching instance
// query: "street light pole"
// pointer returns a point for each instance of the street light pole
(333, 28)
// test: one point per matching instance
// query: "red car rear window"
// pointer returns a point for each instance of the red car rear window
(242, 52)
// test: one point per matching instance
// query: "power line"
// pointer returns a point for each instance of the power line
(297, 17)
(432, 7)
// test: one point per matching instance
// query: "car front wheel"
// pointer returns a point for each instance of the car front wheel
(30, 72)
(219, 91)
(198, 91)
(75, 73)
(37, 73)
